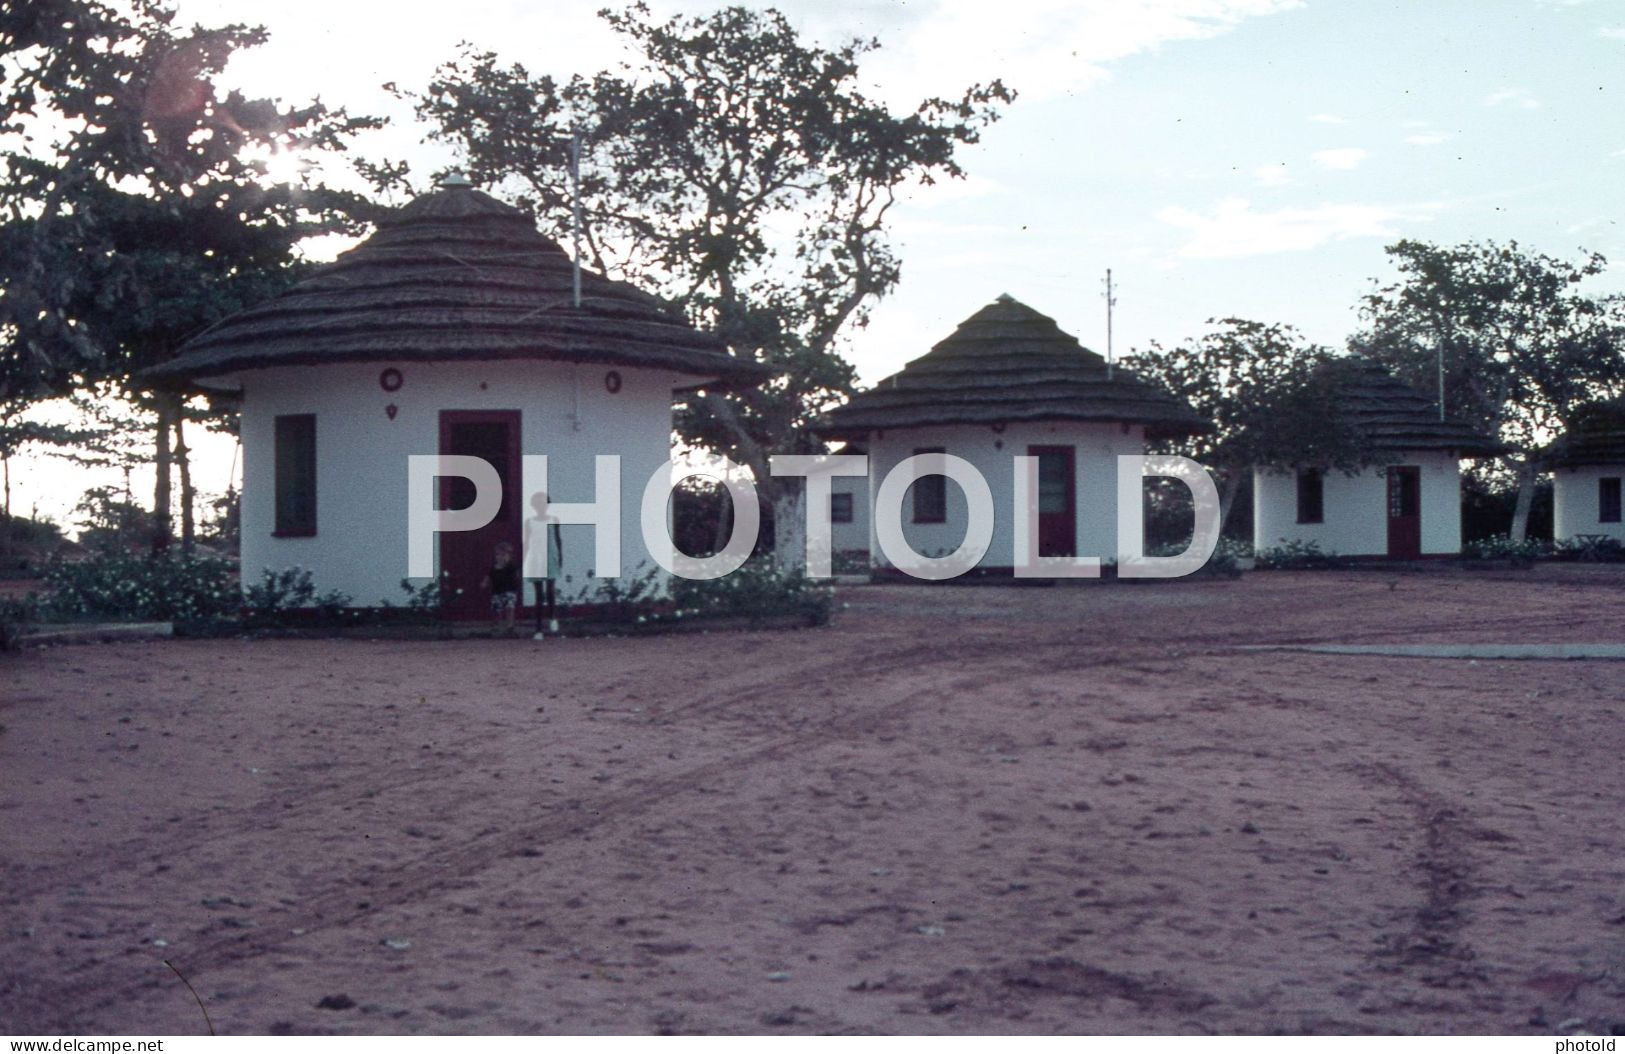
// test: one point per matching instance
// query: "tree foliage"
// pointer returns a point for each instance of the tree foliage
(732, 168)
(1271, 403)
(1522, 346)
(138, 202)
(136, 205)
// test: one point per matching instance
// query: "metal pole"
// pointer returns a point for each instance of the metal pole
(1441, 380)
(1111, 302)
(575, 209)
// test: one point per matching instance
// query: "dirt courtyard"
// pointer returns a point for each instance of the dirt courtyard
(957, 809)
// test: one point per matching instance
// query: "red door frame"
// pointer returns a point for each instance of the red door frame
(1058, 531)
(466, 555)
(1404, 512)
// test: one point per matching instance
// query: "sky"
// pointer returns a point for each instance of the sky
(1225, 158)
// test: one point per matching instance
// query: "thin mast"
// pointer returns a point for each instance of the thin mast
(1111, 302)
(575, 211)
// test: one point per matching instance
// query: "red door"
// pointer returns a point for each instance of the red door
(1057, 500)
(465, 556)
(1404, 512)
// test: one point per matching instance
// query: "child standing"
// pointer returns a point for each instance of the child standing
(503, 582)
(542, 531)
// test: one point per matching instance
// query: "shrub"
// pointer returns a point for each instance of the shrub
(1224, 560)
(757, 589)
(850, 562)
(15, 615)
(1589, 549)
(25, 544)
(279, 592)
(1297, 556)
(1502, 547)
(429, 598)
(145, 586)
(629, 599)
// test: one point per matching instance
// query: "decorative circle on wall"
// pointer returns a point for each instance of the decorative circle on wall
(390, 380)
(612, 381)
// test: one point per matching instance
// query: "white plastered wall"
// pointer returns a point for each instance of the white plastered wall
(1096, 446)
(566, 412)
(1575, 505)
(1356, 508)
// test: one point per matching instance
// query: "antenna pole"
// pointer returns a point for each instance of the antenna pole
(1111, 302)
(575, 211)
(1441, 380)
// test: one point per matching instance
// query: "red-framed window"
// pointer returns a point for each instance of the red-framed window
(295, 456)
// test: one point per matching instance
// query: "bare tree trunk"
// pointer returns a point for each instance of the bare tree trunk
(184, 463)
(1526, 498)
(1228, 488)
(5, 462)
(790, 533)
(163, 528)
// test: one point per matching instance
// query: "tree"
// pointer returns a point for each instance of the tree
(733, 169)
(1271, 402)
(99, 437)
(1505, 334)
(137, 204)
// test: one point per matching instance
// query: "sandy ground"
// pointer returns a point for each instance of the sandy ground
(963, 809)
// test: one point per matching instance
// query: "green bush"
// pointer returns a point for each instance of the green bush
(278, 592)
(15, 615)
(756, 590)
(1591, 549)
(25, 544)
(1224, 560)
(1297, 556)
(430, 598)
(629, 599)
(1502, 547)
(138, 587)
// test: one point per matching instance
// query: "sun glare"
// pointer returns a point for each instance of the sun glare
(278, 165)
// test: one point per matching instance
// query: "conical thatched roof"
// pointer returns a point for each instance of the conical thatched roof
(456, 275)
(1009, 363)
(1392, 415)
(1597, 437)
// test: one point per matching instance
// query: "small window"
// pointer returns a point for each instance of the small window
(296, 475)
(1311, 496)
(1608, 499)
(930, 493)
(840, 508)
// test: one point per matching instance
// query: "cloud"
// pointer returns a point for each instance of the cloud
(1343, 157)
(1043, 48)
(1235, 230)
(1426, 139)
(1272, 175)
(1612, 32)
(1518, 97)
(1327, 118)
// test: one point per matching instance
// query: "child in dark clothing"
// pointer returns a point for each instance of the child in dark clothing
(503, 582)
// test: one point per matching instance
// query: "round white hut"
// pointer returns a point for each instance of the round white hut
(1406, 506)
(1588, 463)
(454, 329)
(1007, 381)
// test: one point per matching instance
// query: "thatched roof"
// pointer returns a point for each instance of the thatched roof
(1004, 364)
(1597, 437)
(1392, 415)
(456, 275)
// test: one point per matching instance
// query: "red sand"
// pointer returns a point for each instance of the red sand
(962, 809)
